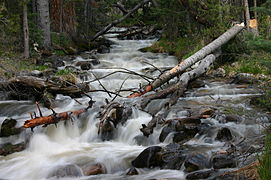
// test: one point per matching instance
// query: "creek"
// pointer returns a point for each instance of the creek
(78, 144)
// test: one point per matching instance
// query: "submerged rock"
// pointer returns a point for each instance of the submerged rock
(9, 148)
(94, 169)
(8, 128)
(70, 170)
(223, 161)
(150, 157)
(224, 134)
(195, 162)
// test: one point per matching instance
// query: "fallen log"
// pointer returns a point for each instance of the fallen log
(180, 68)
(115, 22)
(36, 87)
(179, 88)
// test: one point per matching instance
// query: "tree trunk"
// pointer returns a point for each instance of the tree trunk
(247, 15)
(44, 22)
(255, 30)
(26, 31)
(180, 87)
(120, 20)
(180, 68)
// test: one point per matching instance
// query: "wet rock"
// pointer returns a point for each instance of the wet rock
(70, 170)
(165, 132)
(132, 171)
(8, 128)
(223, 161)
(85, 65)
(196, 84)
(103, 49)
(232, 118)
(195, 162)
(173, 156)
(244, 78)
(224, 134)
(9, 148)
(150, 157)
(206, 111)
(94, 170)
(181, 137)
(201, 174)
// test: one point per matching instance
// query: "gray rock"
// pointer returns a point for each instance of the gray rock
(8, 128)
(195, 162)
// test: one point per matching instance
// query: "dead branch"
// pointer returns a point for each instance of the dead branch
(120, 20)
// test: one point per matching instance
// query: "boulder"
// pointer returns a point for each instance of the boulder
(195, 162)
(132, 171)
(9, 148)
(70, 170)
(224, 134)
(173, 156)
(8, 128)
(148, 158)
(223, 161)
(181, 137)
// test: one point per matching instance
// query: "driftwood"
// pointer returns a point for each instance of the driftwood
(109, 26)
(54, 118)
(180, 68)
(179, 88)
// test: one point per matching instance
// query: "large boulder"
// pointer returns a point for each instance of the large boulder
(70, 170)
(150, 157)
(173, 156)
(8, 128)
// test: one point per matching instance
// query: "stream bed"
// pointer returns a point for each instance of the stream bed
(232, 129)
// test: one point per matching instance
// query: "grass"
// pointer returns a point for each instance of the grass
(265, 160)
(255, 63)
(181, 47)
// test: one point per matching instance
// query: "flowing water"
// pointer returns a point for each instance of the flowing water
(78, 143)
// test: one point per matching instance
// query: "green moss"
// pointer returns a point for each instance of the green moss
(265, 160)
(63, 72)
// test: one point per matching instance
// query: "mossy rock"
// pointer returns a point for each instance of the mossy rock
(9, 148)
(8, 128)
